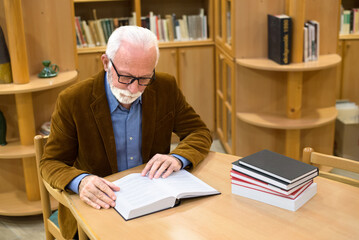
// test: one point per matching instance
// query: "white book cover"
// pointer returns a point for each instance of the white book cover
(285, 203)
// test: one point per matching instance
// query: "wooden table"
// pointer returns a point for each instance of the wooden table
(333, 213)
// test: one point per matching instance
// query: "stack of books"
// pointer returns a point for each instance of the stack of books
(274, 179)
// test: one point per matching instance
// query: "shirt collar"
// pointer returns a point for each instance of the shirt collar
(112, 101)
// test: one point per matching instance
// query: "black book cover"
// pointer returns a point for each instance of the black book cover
(279, 38)
(278, 166)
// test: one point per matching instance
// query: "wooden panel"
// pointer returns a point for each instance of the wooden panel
(174, 6)
(49, 34)
(89, 64)
(260, 91)
(321, 138)
(326, 12)
(197, 80)
(251, 26)
(350, 84)
(168, 62)
(251, 139)
(319, 89)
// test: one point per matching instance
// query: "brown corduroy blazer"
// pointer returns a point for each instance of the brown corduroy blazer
(82, 138)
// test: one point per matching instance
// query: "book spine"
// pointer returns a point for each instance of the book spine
(279, 39)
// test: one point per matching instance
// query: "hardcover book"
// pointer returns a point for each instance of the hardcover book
(279, 38)
(274, 168)
(140, 195)
(282, 202)
(243, 177)
(292, 195)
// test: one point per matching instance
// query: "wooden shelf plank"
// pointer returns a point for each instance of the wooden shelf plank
(195, 43)
(348, 36)
(15, 203)
(309, 119)
(324, 62)
(38, 84)
(87, 1)
(14, 149)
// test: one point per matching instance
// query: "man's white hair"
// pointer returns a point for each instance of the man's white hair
(138, 36)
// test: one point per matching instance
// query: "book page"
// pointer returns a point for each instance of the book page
(183, 184)
(137, 191)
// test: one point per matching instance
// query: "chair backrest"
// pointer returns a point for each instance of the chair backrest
(315, 158)
(51, 229)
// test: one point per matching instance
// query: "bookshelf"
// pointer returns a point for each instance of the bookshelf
(29, 101)
(348, 80)
(191, 62)
(281, 108)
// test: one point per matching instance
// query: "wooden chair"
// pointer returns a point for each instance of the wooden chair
(51, 229)
(315, 158)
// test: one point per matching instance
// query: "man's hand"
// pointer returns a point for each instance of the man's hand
(161, 163)
(97, 192)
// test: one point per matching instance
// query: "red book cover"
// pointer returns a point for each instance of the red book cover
(293, 195)
(246, 178)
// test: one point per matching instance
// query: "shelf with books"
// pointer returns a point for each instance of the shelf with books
(324, 61)
(309, 119)
(298, 96)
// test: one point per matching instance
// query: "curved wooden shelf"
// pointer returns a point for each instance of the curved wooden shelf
(14, 149)
(348, 36)
(15, 203)
(324, 61)
(38, 84)
(194, 43)
(309, 119)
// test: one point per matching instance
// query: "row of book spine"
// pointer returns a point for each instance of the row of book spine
(96, 32)
(274, 179)
(175, 28)
(349, 21)
(311, 41)
(280, 37)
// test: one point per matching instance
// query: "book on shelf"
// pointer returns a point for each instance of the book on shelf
(279, 38)
(276, 169)
(140, 195)
(275, 200)
(349, 21)
(311, 41)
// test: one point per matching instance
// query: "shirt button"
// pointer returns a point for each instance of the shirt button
(131, 158)
(131, 138)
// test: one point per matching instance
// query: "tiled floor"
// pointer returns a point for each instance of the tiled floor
(32, 228)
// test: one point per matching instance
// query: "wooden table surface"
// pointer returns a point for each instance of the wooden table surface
(333, 213)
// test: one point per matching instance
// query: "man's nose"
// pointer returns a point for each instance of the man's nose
(133, 87)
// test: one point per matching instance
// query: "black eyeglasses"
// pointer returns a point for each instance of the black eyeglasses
(142, 81)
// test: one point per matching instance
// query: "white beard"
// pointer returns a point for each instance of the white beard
(123, 96)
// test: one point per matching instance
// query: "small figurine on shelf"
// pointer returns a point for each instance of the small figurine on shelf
(2, 129)
(50, 70)
(5, 68)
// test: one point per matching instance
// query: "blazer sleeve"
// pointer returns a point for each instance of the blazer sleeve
(195, 137)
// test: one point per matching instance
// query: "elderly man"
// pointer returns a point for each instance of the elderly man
(120, 118)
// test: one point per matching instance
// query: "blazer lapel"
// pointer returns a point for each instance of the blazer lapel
(148, 121)
(103, 120)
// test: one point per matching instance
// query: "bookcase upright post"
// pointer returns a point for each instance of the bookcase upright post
(296, 9)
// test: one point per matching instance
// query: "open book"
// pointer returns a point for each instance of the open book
(141, 196)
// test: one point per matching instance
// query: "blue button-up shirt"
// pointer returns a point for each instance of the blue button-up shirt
(127, 129)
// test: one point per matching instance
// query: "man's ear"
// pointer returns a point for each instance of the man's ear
(105, 61)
